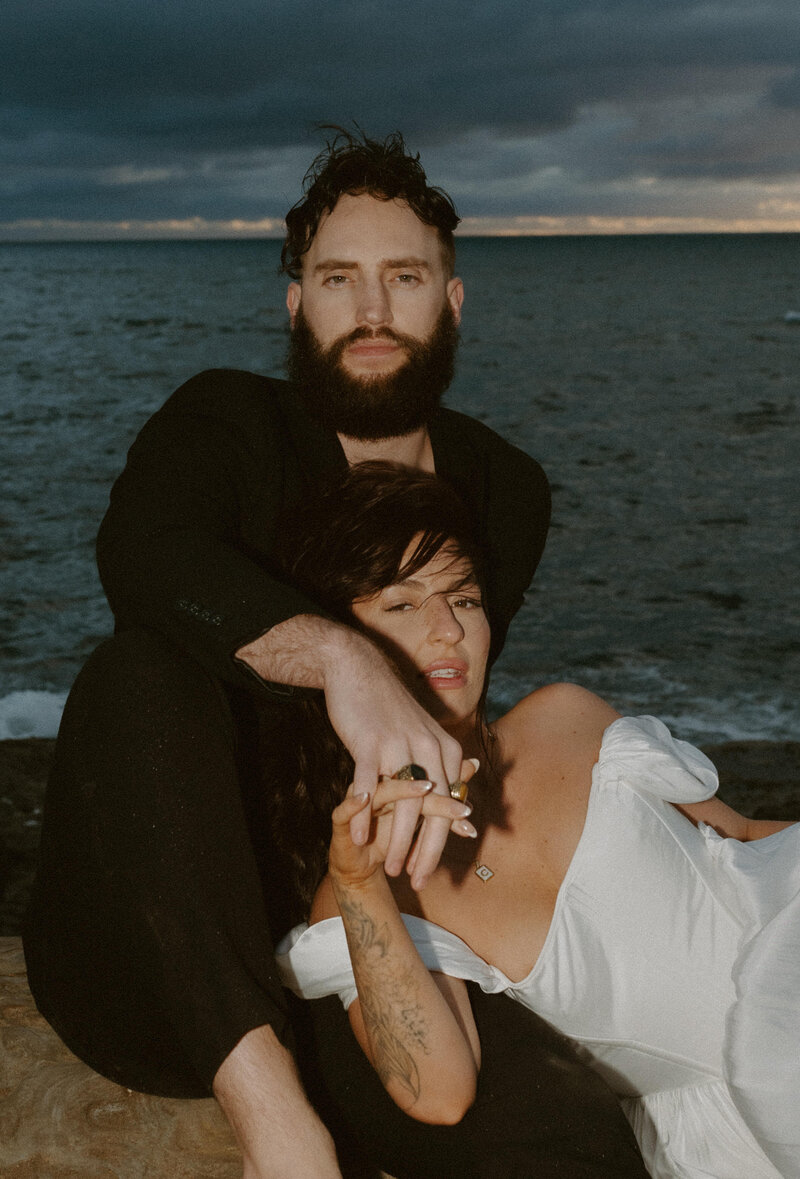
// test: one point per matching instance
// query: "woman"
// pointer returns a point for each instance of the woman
(603, 886)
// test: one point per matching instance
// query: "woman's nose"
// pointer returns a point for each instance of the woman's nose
(443, 625)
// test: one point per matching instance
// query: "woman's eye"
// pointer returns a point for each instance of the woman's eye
(468, 603)
(396, 607)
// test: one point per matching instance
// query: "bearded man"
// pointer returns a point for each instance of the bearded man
(148, 938)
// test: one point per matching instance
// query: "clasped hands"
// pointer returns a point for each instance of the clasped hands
(385, 728)
(354, 859)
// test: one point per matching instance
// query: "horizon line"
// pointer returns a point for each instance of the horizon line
(203, 229)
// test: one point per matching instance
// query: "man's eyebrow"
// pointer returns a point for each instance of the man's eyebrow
(386, 263)
(399, 263)
(334, 264)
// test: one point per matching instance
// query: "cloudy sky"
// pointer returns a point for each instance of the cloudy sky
(197, 118)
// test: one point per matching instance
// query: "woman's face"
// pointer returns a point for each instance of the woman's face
(433, 625)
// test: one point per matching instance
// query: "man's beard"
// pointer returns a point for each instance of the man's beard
(373, 407)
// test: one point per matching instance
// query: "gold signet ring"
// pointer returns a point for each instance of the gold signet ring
(411, 773)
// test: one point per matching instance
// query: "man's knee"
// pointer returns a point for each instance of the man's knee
(140, 697)
(142, 667)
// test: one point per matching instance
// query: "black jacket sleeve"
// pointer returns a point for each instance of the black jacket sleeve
(184, 546)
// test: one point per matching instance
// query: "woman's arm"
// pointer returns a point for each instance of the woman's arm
(412, 1035)
(416, 1028)
(729, 823)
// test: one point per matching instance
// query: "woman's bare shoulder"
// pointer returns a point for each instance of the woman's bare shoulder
(563, 716)
(561, 705)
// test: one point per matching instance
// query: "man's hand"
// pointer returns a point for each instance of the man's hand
(376, 718)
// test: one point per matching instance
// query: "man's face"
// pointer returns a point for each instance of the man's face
(374, 318)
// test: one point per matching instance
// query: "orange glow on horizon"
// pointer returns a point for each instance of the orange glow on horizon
(199, 228)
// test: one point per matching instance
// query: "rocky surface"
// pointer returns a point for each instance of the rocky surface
(759, 778)
(24, 766)
(60, 1120)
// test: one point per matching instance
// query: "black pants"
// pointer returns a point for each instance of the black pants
(148, 944)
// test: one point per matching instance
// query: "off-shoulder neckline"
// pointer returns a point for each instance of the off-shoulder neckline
(572, 869)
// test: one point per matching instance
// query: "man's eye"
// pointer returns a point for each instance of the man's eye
(407, 279)
(336, 280)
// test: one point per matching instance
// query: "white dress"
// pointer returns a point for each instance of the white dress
(672, 961)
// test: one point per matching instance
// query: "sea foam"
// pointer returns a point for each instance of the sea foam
(30, 714)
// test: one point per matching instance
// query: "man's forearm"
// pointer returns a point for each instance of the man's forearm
(304, 650)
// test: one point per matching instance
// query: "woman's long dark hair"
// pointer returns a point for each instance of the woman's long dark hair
(346, 544)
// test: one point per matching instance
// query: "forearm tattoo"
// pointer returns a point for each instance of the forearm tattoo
(389, 1000)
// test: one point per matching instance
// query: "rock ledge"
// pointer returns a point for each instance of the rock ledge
(61, 1120)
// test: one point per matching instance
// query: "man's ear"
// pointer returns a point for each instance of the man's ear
(455, 297)
(293, 294)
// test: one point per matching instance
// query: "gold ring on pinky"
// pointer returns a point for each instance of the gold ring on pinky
(459, 790)
(411, 773)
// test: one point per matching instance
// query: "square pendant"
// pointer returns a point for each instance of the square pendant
(483, 872)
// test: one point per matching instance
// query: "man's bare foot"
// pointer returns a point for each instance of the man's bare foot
(260, 1093)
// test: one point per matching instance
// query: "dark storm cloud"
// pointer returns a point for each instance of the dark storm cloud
(786, 92)
(183, 76)
(126, 108)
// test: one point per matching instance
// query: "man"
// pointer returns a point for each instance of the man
(148, 936)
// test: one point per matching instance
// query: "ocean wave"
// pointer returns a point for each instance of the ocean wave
(30, 714)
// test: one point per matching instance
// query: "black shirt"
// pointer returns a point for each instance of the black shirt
(186, 545)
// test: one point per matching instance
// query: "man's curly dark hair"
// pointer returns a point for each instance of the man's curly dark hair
(355, 164)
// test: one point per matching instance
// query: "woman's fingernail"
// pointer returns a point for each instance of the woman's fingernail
(424, 787)
(466, 828)
(465, 810)
(473, 761)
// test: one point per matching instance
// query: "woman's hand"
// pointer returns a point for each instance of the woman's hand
(351, 864)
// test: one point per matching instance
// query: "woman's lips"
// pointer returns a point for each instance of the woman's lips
(446, 675)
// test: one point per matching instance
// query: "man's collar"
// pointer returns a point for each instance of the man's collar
(318, 450)
(445, 447)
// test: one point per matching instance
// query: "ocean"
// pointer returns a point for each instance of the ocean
(655, 379)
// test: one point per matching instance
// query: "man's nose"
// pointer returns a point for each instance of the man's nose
(443, 624)
(374, 308)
